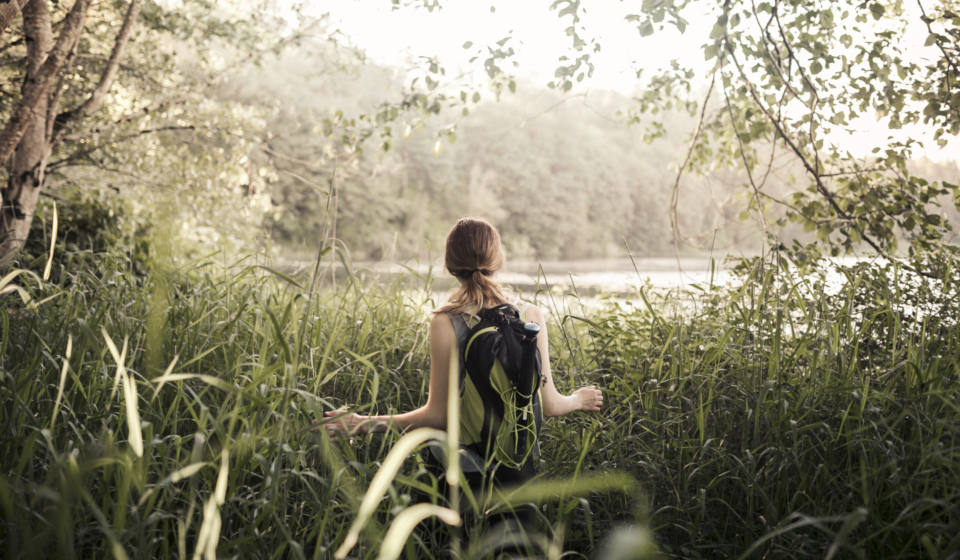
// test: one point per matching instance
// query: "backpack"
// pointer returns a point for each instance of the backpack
(499, 391)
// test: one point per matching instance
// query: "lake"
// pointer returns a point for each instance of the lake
(589, 277)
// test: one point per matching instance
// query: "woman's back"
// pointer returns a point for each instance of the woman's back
(472, 408)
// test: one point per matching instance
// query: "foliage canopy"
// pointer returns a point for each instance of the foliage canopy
(789, 73)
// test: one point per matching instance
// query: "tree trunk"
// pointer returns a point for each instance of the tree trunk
(37, 84)
(27, 133)
(23, 188)
(9, 10)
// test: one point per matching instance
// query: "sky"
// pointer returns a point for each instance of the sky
(397, 37)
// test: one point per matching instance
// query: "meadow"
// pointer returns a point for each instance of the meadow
(166, 414)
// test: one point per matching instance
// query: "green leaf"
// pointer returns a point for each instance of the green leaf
(931, 39)
(646, 29)
(719, 29)
(468, 44)
(281, 275)
(710, 52)
(365, 360)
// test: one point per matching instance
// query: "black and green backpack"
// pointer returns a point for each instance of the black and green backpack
(500, 400)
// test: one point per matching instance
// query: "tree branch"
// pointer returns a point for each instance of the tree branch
(266, 148)
(57, 93)
(950, 62)
(125, 119)
(8, 11)
(853, 172)
(777, 61)
(675, 196)
(67, 159)
(12, 44)
(791, 56)
(214, 80)
(743, 155)
(108, 76)
(822, 188)
(137, 179)
(138, 72)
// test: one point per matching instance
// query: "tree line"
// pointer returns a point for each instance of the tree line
(165, 105)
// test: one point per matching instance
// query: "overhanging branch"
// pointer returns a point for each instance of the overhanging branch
(200, 88)
(107, 77)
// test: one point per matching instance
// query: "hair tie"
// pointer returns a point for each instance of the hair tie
(469, 272)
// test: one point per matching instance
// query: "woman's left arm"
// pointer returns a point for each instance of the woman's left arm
(431, 415)
(586, 399)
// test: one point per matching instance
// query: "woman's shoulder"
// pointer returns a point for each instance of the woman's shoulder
(528, 308)
(442, 331)
(441, 322)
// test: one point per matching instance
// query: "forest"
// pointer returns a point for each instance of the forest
(198, 199)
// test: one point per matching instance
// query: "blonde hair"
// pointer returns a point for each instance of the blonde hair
(473, 254)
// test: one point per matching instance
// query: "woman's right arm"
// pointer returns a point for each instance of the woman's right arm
(431, 415)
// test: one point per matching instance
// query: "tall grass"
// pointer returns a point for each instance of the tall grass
(769, 419)
(170, 416)
(777, 419)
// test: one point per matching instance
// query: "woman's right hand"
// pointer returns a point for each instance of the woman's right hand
(347, 423)
(591, 399)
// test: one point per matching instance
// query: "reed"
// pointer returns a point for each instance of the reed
(774, 418)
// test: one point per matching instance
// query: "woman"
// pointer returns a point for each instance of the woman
(473, 254)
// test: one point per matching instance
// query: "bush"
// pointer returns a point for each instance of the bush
(89, 224)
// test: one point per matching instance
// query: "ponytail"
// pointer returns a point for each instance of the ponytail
(479, 291)
(473, 254)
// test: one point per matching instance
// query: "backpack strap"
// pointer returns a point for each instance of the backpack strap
(462, 330)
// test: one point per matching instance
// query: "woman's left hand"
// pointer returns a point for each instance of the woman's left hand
(591, 399)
